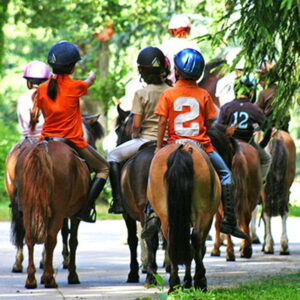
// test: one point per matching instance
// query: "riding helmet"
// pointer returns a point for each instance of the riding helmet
(36, 70)
(151, 57)
(62, 54)
(189, 63)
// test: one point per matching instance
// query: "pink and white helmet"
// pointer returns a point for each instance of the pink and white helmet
(36, 69)
(178, 21)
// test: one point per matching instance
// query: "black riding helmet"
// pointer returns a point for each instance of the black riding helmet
(63, 54)
(151, 57)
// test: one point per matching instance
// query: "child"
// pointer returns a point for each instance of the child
(58, 98)
(245, 115)
(152, 67)
(35, 73)
(193, 106)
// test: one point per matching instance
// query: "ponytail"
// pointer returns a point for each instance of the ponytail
(52, 88)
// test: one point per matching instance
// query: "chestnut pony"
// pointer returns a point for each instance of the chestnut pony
(61, 181)
(278, 183)
(184, 190)
(244, 163)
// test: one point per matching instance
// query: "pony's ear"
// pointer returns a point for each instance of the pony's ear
(122, 113)
(229, 130)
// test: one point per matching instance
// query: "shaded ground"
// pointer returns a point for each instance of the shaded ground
(103, 264)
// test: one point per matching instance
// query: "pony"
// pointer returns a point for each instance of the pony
(184, 190)
(278, 183)
(134, 178)
(92, 131)
(243, 160)
(212, 73)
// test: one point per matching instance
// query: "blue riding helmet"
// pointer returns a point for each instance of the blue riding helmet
(189, 63)
(63, 54)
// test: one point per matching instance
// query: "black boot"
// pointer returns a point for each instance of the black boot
(88, 212)
(115, 181)
(151, 223)
(229, 224)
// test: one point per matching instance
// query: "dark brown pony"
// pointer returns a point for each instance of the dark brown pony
(244, 163)
(134, 180)
(184, 190)
(277, 188)
(93, 131)
(212, 73)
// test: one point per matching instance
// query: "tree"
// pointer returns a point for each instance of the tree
(3, 17)
(266, 30)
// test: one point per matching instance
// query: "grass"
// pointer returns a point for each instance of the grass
(276, 288)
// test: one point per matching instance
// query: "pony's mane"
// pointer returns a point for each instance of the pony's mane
(210, 66)
(224, 145)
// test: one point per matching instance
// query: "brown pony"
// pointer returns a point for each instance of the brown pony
(278, 183)
(184, 190)
(245, 167)
(93, 131)
(52, 184)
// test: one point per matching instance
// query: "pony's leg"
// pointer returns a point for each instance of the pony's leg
(132, 239)
(187, 280)
(268, 246)
(246, 244)
(230, 256)
(216, 249)
(65, 252)
(73, 277)
(152, 246)
(30, 281)
(47, 277)
(253, 234)
(167, 263)
(284, 248)
(18, 266)
(200, 281)
(174, 279)
(143, 247)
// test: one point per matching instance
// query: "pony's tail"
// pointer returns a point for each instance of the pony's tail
(17, 225)
(37, 189)
(180, 180)
(275, 186)
(239, 173)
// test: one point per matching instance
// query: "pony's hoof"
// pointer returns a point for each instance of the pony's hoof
(246, 252)
(201, 284)
(51, 284)
(150, 280)
(31, 284)
(230, 257)
(168, 269)
(133, 278)
(73, 279)
(284, 252)
(215, 252)
(256, 241)
(41, 265)
(17, 269)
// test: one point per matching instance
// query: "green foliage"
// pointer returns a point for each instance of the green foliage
(265, 31)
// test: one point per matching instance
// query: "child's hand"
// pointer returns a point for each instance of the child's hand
(91, 78)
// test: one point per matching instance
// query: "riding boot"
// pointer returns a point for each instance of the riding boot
(229, 224)
(115, 181)
(151, 223)
(88, 212)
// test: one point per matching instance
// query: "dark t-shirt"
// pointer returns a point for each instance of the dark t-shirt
(244, 115)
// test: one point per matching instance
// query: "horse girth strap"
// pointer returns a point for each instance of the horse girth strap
(200, 148)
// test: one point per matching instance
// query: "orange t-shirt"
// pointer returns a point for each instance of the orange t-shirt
(63, 116)
(187, 107)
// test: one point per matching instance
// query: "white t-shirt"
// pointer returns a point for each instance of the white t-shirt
(174, 45)
(224, 88)
(24, 106)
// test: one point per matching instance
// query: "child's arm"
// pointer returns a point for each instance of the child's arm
(91, 78)
(162, 124)
(136, 127)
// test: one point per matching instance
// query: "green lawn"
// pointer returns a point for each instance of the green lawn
(284, 287)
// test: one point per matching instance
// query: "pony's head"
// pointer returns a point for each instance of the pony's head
(92, 129)
(123, 125)
(223, 142)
